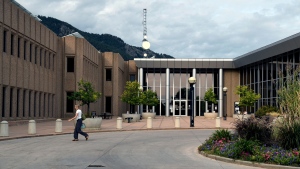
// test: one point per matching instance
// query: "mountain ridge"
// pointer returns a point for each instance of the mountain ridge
(103, 42)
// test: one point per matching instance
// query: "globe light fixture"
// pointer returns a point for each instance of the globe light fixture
(192, 81)
(145, 44)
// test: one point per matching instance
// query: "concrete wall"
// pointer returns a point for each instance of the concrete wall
(23, 78)
(231, 80)
(86, 58)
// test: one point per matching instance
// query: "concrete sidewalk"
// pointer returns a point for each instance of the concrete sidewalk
(47, 128)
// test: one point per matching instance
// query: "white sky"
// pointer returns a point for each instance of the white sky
(181, 28)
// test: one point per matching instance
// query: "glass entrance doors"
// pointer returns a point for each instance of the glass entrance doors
(180, 107)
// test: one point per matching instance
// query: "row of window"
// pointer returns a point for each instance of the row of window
(45, 59)
(26, 103)
(263, 77)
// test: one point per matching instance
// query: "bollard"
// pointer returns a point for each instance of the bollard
(218, 122)
(4, 129)
(119, 123)
(149, 123)
(31, 127)
(177, 122)
(58, 126)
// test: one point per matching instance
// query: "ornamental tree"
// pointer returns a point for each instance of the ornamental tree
(210, 96)
(149, 98)
(131, 94)
(247, 96)
(86, 94)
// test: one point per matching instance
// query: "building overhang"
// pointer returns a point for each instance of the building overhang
(184, 63)
(273, 49)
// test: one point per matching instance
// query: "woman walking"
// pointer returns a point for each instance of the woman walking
(77, 129)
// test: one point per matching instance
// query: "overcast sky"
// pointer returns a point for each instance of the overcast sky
(181, 28)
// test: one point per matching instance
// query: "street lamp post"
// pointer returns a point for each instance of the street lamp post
(192, 81)
(225, 103)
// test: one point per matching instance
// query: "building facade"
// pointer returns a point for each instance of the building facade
(38, 70)
(259, 70)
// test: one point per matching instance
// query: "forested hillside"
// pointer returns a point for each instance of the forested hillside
(103, 42)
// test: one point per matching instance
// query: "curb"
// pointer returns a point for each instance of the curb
(246, 163)
(99, 131)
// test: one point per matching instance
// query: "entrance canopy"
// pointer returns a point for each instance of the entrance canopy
(184, 63)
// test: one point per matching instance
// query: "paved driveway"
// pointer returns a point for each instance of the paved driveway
(115, 150)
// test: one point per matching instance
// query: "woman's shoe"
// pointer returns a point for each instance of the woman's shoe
(86, 138)
(75, 140)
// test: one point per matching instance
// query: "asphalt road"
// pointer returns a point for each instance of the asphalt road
(161, 149)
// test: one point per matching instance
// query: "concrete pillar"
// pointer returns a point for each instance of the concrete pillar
(149, 123)
(218, 122)
(220, 108)
(177, 122)
(198, 80)
(4, 129)
(31, 127)
(141, 73)
(119, 123)
(58, 126)
(167, 92)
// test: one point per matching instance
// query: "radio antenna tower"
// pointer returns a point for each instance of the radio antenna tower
(145, 42)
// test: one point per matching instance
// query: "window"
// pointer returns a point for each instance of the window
(4, 41)
(3, 101)
(35, 55)
(45, 110)
(11, 102)
(132, 77)
(108, 74)
(45, 59)
(70, 64)
(30, 52)
(40, 105)
(41, 57)
(35, 104)
(25, 43)
(18, 102)
(12, 44)
(70, 103)
(108, 104)
(49, 63)
(29, 102)
(19, 41)
(49, 107)
(53, 62)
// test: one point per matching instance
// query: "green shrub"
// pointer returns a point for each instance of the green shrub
(207, 145)
(254, 129)
(244, 146)
(262, 111)
(221, 134)
(241, 148)
(288, 136)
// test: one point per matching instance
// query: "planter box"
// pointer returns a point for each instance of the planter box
(91, 123)
(242, 116)
(210, 115)
(145, 115)
(136, 117)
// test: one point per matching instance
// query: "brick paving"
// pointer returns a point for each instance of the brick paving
(47, 127)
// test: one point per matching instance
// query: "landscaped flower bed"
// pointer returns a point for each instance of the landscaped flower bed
(248, 143)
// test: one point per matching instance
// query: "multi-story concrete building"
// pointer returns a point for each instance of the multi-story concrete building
(38, 70)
